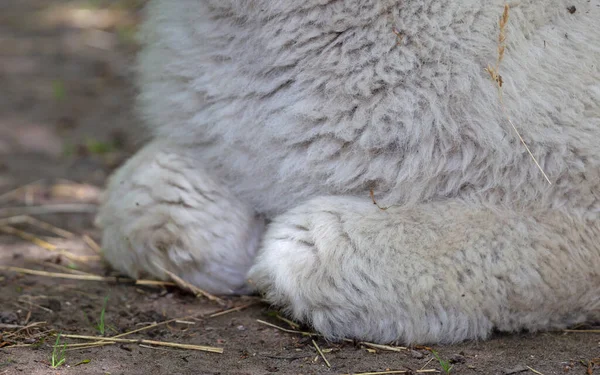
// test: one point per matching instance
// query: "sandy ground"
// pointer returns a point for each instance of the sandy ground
(66, 122)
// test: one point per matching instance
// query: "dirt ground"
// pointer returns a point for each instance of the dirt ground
(66, 121)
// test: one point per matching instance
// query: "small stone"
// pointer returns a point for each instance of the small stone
(416, 354)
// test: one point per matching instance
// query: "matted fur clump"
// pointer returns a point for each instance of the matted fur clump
(273, 120)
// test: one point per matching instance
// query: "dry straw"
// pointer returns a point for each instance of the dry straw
(497, 78)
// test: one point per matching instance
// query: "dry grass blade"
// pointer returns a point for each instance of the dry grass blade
(239, 308)
(149, 326)
(9, 194)
(321, 353)
(66, 208)
(153, 325)
(88, 344)
(180, 319)
(294, 325)
(304, 333)
(47, 245)
(497, 78)
(62, 268)
(147, 342)
(87, 277)
(428, 371)
(92, 244)
(194, 289)
(23, 328)
(312, 334)
(427, 363)
(534, 371)
(28, 300)
(48, 227)
(384, 347)
(17, 346)
(74, 191)
(72, 347)
(13, 220)
(60, 275)
(582, 330)
(153, 282)
(184, 322)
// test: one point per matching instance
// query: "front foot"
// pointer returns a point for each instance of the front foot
(436, 273)
(163, 212)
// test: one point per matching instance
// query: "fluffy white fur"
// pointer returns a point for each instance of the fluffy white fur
(294, 110)
(163, 212)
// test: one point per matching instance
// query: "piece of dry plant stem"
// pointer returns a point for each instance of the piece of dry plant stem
(192, 288)
(58, 208)
(312, 334)
(47, 245)
(494, 73)
(87, 277)
(321, 353)
(408, 372)
(147, 342)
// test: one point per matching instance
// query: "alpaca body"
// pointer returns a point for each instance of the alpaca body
(292, 112)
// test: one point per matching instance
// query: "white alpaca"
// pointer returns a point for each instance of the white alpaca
(290, 112)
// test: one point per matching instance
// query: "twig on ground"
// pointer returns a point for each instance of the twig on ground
(384, 347)
(13, 220)
(239, 308)
(17, 346)
(150, 282)
(312, 334)
(582, 330)
(9, 194)
(63, 208)
(184, 322)
(61, 268)
(20, 329)
(192, 288)
(153, 325)
(294, 325)
(48, 227)
(28, 300)
(304, 333)
(88, 277)
(47, 245)
(61, 275)
(534, 371)
(428, 371)
(321, 353)
(92, 244)
(428, 362)
(147, 342)
(72, 347)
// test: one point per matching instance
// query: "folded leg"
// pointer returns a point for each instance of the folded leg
(434, 273)
(163, 212)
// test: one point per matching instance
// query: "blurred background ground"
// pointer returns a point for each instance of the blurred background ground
(66, 121)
